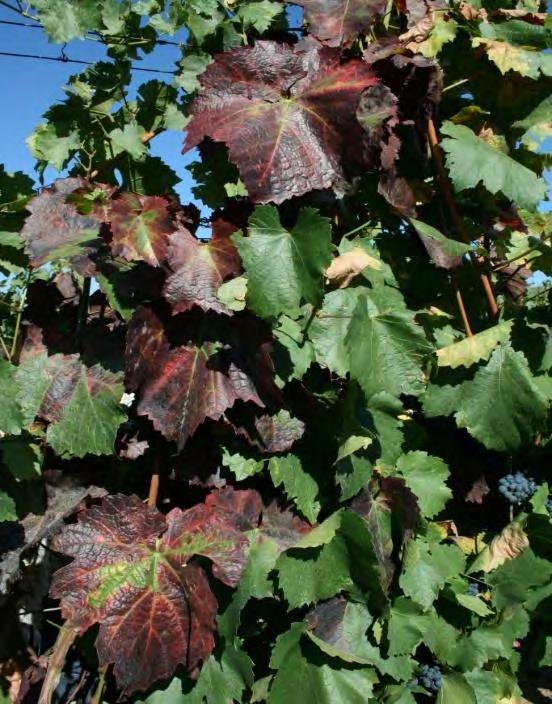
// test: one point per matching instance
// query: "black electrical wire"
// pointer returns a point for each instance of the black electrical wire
(67, 60)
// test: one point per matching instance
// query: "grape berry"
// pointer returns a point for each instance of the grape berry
(473, 589)
(430, 677)
(516, 488)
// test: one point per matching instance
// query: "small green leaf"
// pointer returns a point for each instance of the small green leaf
(129, 139)
(427, 568)
(233, 293)
(301, 487)
(7, 508)
(11, 419)
(426, 476)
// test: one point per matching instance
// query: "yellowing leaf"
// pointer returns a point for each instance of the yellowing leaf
(505, 546)
(509, 57)
(430, 34)
(473, 349)
(346, 266)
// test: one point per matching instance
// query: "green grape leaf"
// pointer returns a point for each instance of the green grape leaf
(426, 569)
(46, 145)
(298, 679)
(11, 419)
(455, 690)
(287, 471)
(63, 21)
(309, 575)
(7, 508)
(223, 679)
(130, 140)
(471, 160)
(502, 406)
(329, 327)
(386, 349)
(302, 255)
(259, 15)
(425, 476)
(473, 349)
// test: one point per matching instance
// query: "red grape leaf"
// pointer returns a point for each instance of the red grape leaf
(200, 269)
(340, 21)
(55, 229)
(242, 506)
(179, 388)
(131, 574)
(80, 403)
(140, 226)
(287, 117)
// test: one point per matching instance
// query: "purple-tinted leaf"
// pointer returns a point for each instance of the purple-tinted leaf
(140, 226)
(340, 21)
(287, 117)
(200, 269)
(55, 229)
(179, 388)
(131, 574)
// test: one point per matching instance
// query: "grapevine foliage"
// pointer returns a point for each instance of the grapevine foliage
(292, 445)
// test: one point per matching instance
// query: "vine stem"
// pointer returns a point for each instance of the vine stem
(462, 309)
(154, 484)
(20, 308)
(56, 661)
(455, 214)
(83, 308)
(98, 693)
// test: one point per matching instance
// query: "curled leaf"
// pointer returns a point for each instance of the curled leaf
(345, 267)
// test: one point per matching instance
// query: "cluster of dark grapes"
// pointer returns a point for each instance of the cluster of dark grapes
(430, 677)
(516, 488)
(473, 589)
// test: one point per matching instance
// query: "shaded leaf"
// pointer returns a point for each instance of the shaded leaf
(180, 387)
(11, 419)
(301, 103)
(55, 229)
(7, 508)
(279, 432)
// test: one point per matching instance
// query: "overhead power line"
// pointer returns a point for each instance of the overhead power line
(67, 60)
(95, 36)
